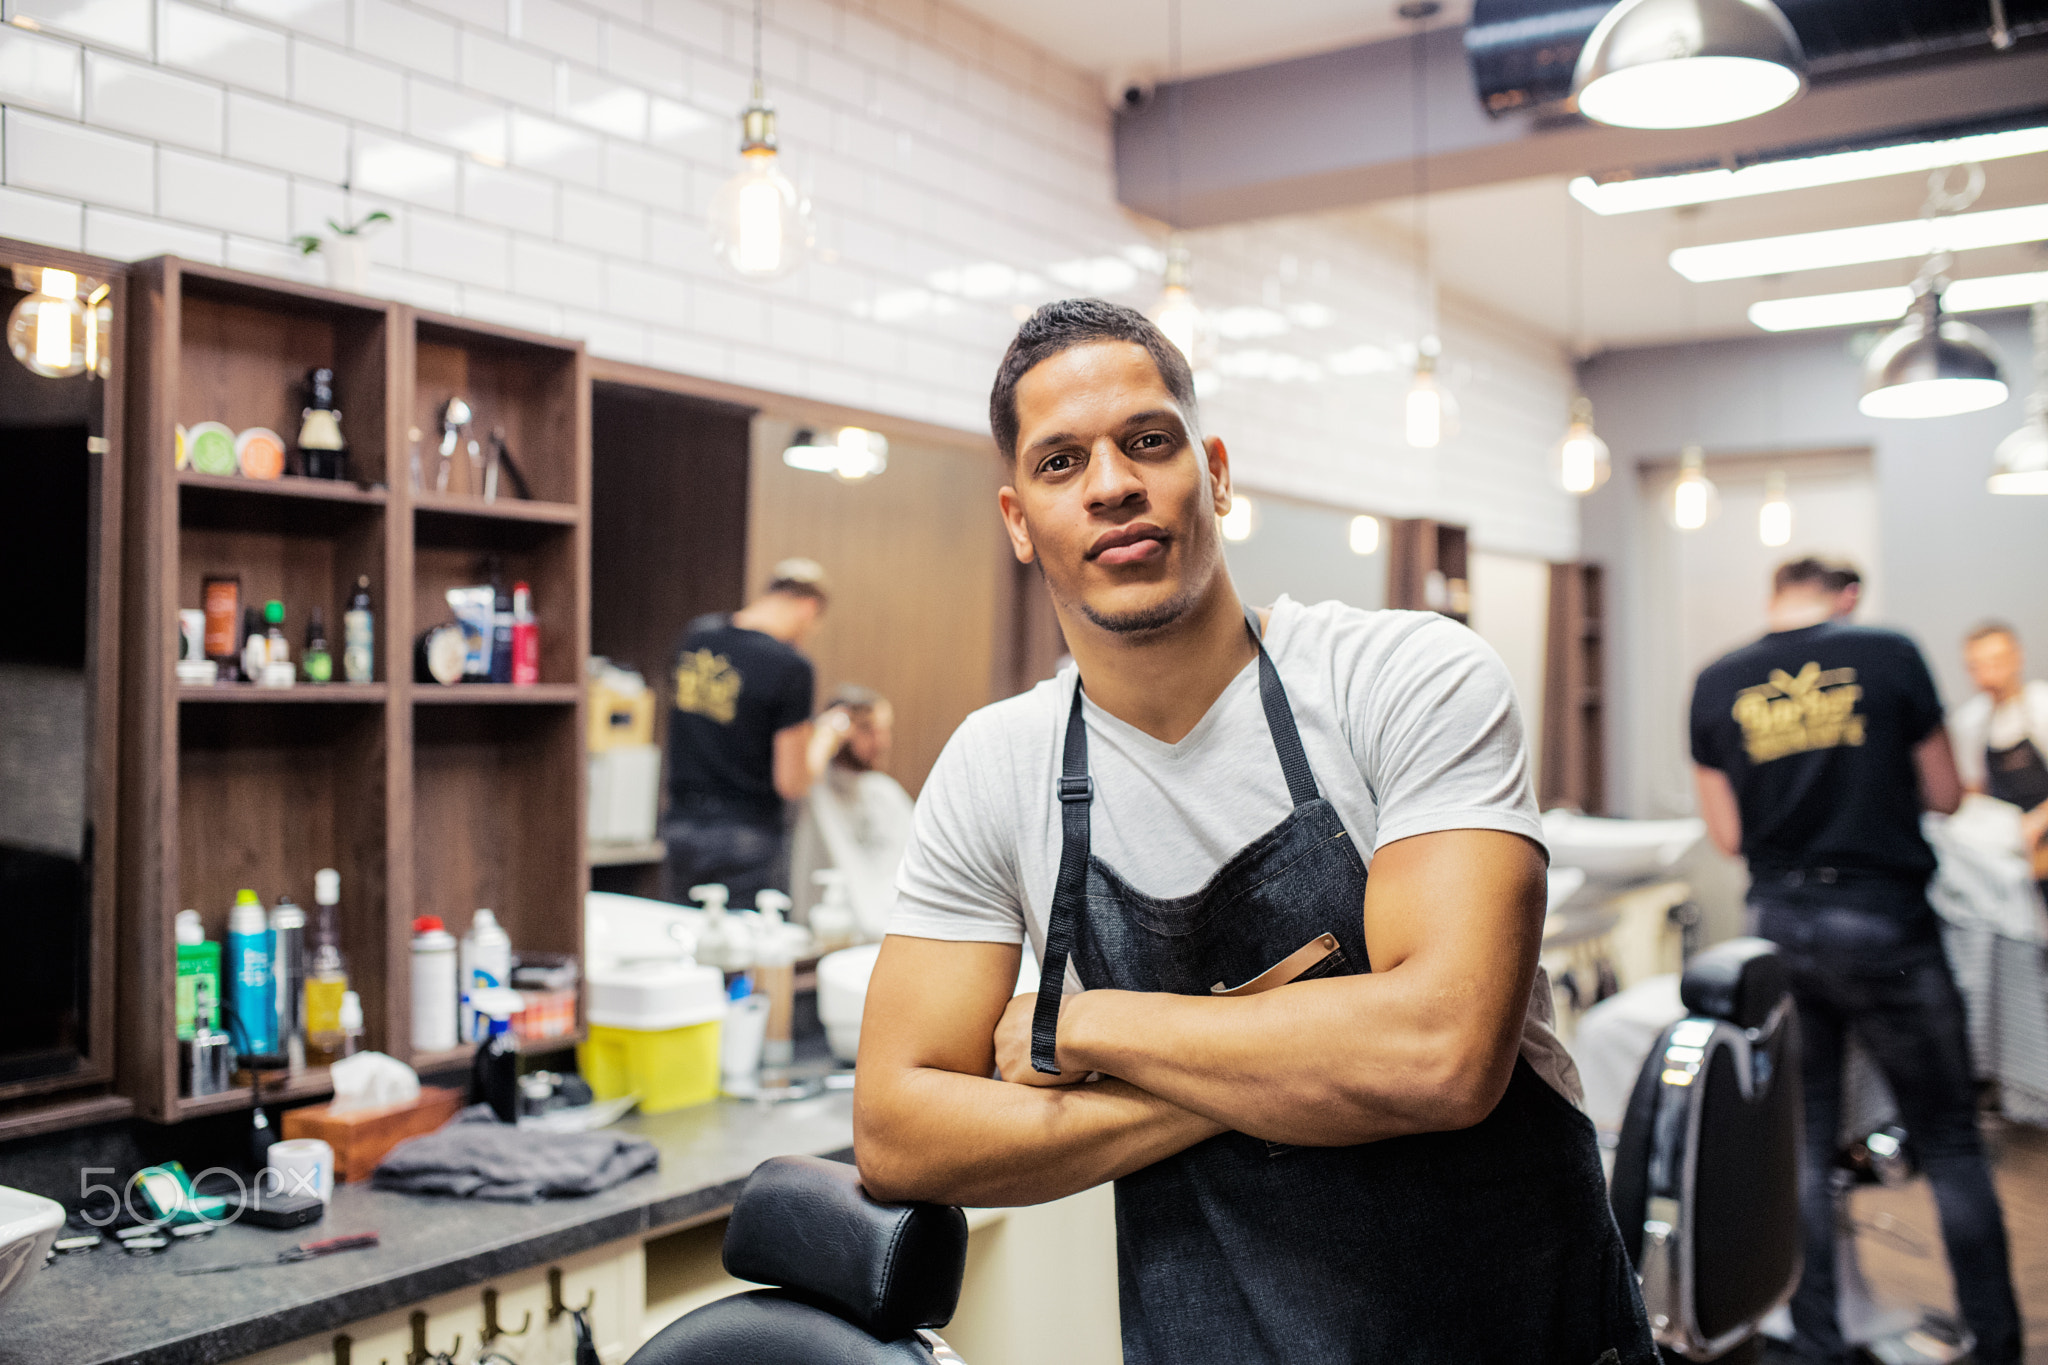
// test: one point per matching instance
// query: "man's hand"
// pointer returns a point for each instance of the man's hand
(1013, 1046)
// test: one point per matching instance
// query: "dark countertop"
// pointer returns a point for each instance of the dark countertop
(107, 1306)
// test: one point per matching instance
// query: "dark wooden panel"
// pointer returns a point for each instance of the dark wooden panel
(668, 520)
(920, 590)
(1573, 771)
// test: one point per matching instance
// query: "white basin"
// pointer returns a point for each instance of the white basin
(1564, 883)
(28, 1224)
(843, 994)
(1619, 850)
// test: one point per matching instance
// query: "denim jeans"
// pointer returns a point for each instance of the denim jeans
(1867, 959)
(746, 858)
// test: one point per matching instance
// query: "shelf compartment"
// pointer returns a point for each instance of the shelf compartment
(303, 693)
(245, 349)
(496, 821)
(547, 565)
(303, 565)
(268, 795)
(496, 694)
(527, 388)
(428, 505)
(311, 1084)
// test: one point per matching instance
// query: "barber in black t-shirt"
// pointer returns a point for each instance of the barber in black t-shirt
(740, 738)
(1817, 748)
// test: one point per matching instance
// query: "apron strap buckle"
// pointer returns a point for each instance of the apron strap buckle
(1077, 788)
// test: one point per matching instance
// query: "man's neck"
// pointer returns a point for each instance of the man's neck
(2009, 693)
(765, 617)
(1797, 611)
(1164, 683)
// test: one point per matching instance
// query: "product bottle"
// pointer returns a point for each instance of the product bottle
(323, 454)
(209, 1058)
(358, 636)
(277, 649)
(775, 977)
(198, 973)
(255, 646)
(288, 968)
(834, 921)
(220, 597)
(525, 637)
(434, 996)
(317, 662)
(351, 1023)
(720, 943)
(494, 1071)
(252, 985)
(501, 632)
(326, 975)
(486, 965)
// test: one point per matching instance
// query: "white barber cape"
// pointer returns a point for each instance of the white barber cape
(857, 823)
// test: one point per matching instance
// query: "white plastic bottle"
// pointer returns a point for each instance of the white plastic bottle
(775, 975)
(721, 943)
(486, 965)
(434, 995)
(834, 922)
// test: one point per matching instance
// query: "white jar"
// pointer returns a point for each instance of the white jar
(435, 999)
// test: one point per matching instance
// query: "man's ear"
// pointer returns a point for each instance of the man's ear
(1219, 473)
(1014, 525)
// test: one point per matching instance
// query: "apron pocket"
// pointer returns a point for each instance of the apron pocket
(1320, 956)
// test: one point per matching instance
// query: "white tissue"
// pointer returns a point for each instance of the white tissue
(371, 1080)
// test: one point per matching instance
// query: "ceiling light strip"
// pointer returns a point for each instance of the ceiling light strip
(1861, 306)
(1860, 245)
(1799, 173)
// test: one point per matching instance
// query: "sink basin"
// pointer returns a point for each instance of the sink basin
(1618, 850)
(28, 1224)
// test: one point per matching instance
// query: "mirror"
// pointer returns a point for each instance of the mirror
(53, 451)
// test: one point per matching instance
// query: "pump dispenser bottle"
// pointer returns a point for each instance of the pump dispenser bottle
(775, 977)
(721, 943)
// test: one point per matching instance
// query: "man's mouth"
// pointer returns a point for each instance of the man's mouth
(1133, 544)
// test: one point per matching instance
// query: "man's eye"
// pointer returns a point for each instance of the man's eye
(1151, 440)
(1057, 464)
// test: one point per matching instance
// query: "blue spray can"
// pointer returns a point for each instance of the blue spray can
(252, 978)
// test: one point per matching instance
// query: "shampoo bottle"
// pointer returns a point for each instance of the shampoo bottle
(252, 984)
(775, 976)
(326, 975)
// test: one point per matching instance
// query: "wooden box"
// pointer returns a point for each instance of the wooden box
(361, 1139)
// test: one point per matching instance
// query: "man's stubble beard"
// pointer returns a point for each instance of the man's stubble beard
(1144, 621)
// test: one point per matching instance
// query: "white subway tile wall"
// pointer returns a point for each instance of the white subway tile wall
(548, 164)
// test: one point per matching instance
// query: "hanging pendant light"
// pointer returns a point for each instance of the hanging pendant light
(2020, 464)
(1694, 499)
(1582, 459)
(760, 224)
(1429, 413)
(1774, 518)
(1176, 313)
(50, 332)
(1931, 365)
(1688, 63)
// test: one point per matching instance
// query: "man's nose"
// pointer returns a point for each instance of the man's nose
(1112, 476)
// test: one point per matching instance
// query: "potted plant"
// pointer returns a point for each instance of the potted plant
(345, 251)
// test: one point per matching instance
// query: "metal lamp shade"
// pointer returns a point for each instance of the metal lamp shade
(1931, 366)
(2020, 464)
(1688, 63)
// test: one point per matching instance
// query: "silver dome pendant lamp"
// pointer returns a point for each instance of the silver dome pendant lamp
(1931, 364)
(1688, 63)
(2020, 464)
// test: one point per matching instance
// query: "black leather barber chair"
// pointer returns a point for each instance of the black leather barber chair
(856, 1282)
(1706, 1175)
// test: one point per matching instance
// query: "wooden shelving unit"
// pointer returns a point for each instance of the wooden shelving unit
(437, 809)
(1427, 568)
(1574, 701)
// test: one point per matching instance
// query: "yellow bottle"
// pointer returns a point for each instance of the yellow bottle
(326, 976)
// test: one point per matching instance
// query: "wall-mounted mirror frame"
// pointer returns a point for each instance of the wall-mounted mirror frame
(34, 1084)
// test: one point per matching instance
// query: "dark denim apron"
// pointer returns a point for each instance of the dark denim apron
(1494, 1243)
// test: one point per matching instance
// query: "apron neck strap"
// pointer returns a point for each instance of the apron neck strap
(1301, 781)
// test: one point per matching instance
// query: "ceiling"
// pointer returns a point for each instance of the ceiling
(1216, 35)
(1507, 247)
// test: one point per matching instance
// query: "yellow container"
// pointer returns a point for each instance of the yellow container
(670, 1068)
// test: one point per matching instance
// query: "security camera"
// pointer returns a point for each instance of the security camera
(1129, 89)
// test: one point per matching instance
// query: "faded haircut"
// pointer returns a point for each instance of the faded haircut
(1061, 326)
(1830, 575)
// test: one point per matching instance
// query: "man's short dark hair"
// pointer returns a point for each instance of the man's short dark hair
(1985, 629)
(800, 578)
(1831, 575)
(1061, 326)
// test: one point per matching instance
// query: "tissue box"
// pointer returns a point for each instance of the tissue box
(361, 1139)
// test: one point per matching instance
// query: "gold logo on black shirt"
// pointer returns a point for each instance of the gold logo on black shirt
(707, 685)
(1796, 715)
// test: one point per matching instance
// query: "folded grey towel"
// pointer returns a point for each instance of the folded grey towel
(475, 1156)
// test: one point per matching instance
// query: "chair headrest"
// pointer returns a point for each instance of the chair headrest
(804, 1224)
(1740, 981)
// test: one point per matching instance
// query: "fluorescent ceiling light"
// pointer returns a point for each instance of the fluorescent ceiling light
(1806, 172)
(1860, 306)
(1859, 245)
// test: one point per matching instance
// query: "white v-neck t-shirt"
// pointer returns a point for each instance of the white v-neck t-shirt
(1410, 726)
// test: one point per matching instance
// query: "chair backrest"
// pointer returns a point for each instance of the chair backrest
(1706, 1175)
(855, 1280)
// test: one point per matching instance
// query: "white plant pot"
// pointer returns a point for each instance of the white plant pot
(348, 263)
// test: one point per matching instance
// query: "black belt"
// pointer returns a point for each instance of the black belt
(1836, 876)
